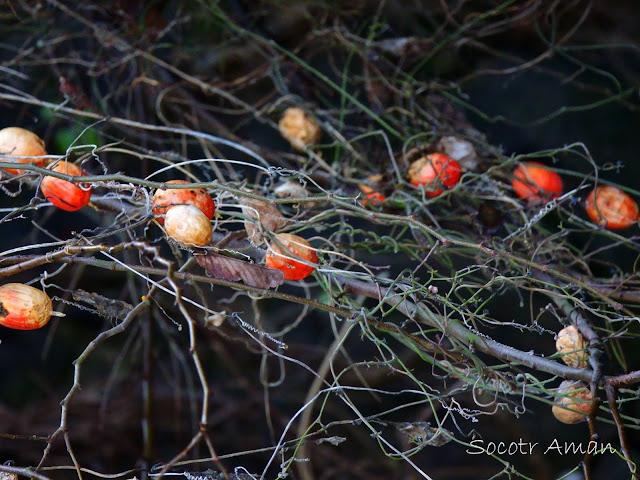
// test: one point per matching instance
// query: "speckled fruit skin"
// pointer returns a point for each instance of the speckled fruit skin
(569, 397)
(436, 172)
(299, 128)
(572, 346)
(188, 226)
(280, 257)
(615, 209)
(16, 141)
(165, 199)
(23, 307)
(534, 182)
(65, 195)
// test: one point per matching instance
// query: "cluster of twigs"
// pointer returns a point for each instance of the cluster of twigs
(430, 321)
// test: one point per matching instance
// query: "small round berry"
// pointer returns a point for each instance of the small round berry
(371, 195)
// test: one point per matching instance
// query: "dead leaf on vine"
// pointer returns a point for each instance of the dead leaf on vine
(261, 215)
(422, 433)
(232, 270)
(105, 307)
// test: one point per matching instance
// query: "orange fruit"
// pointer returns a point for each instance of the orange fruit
(282, 252)
(611, 207)
(165, 199)
(436, 172)
(533, 181)
(23, 307)
(63, 194)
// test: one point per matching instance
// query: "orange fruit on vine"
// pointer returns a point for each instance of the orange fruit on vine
(62, 193)
(611, 207)
(164, 199)
(23, 307)
(437, 172)
(284, 251)
(534, 182)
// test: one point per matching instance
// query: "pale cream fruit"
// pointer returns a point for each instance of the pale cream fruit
(16, 141)
(188, 226)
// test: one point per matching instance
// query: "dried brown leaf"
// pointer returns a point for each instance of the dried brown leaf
(233, 270)
(106, 307)
(260, 215)
(422, 433)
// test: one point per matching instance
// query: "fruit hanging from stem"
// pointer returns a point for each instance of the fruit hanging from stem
(437, 172)
(572, 346)
(534, 182)
(62, 193)
(17, 142)
(164, 199)
(282, 252)
(24, 308)
(574, 395)
(188, 226)
(611, 207)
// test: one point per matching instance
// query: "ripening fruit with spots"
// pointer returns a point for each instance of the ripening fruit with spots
(285, 252)
(611, 207)
(17, 142)
(23, 307)
(164, 199)
(572, 346)
(534, 182)
(63, 194)
(436, 172)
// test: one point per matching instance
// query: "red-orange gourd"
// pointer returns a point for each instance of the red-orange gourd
(611, 207)
(16, 141)
(23, 307)
(165, 199)
(282, 252)
(63, 194)
(436, 172)
(533, 182)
